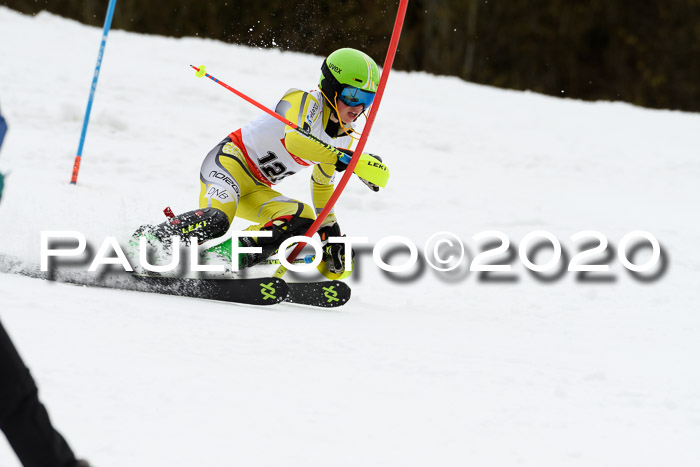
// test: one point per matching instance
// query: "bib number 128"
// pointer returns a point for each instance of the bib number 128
(273, 169)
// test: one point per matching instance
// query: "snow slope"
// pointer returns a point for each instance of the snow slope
(441, 369)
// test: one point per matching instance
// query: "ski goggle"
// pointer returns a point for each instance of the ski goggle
(354, 96)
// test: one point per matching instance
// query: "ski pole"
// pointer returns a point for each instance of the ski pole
(201, 72)
(105, 31)
(308, 259)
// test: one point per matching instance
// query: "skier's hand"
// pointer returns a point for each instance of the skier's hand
(369, 184)
(341, 164)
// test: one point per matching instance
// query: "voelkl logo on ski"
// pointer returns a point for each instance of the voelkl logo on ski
(328, 291)
(267, 291)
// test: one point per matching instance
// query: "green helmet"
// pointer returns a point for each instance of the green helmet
(350, 76)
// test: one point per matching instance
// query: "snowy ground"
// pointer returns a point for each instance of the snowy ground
(441, 369)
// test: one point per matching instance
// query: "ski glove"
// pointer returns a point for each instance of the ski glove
(333, 253)
(340, 166)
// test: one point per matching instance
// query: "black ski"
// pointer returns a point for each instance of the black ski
(253, 291)
(259, 291)
(249, 291)
(327, 294)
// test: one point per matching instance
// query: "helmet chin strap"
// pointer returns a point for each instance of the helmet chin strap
(334, 106)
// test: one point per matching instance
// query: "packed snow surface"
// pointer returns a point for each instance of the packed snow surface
(420, 368)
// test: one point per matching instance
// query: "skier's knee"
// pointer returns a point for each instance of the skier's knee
(307, 212)
(284, 227)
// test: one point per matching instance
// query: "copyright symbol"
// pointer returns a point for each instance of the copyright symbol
(440, 248)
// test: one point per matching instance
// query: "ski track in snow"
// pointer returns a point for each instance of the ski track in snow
(425, 372)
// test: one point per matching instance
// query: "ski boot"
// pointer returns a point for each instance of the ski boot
(199, 225)
(332, 265)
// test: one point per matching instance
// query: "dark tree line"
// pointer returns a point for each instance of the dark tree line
(642, 51)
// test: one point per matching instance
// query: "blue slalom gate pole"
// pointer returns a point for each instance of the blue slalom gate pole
(105, 31)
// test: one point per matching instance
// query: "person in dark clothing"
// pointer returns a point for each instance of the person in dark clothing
(23, 418)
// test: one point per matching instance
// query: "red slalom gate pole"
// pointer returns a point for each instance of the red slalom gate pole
(391, 53)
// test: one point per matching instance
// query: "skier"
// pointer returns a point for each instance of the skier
(237, 175)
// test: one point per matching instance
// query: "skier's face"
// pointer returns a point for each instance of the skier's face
(349, 114)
